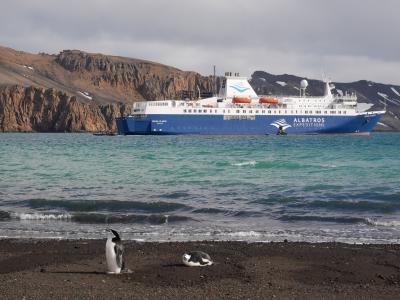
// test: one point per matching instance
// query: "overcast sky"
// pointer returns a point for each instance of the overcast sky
(345, 39)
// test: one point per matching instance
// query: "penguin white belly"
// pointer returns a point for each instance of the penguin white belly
(193, 264)
(111, 258)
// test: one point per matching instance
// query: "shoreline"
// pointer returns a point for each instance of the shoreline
(39, 268)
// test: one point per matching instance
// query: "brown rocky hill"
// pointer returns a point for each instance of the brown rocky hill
(78, 91)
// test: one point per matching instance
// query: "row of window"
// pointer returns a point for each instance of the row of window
(244, 111)
(158, 103)
(236, 117)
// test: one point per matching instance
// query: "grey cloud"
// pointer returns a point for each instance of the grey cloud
(349, 39)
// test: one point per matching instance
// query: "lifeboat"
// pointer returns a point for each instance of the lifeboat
(241, 100)
(268, 100)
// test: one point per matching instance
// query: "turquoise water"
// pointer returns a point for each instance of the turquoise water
(159, 188)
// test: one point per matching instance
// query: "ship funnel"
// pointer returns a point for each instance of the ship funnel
(236, 86)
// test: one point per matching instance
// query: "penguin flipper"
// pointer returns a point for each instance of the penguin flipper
(119, 252)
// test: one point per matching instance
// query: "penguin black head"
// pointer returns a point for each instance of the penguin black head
(116, 235)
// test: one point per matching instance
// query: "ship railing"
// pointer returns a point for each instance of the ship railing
(346, 97)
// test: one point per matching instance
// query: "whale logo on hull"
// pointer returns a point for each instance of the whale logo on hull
(281, 122)
(239, 88)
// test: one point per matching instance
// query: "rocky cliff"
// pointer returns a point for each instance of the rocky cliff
(78, 91)
(37, 109)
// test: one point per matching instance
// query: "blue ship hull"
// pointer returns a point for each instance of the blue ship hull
(261, 124)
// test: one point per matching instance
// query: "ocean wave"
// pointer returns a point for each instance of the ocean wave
(174, 195)
(375, 222)
(130, 218)
(250, 233)
(277, 199)
(245, 163)
(4, 215)
(362, 205)
(41, 216)
(209, 210)
(287, 165)
(342, 220)
(226, 212)
(93, 218)
(106, 205)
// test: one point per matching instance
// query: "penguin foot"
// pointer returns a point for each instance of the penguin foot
(127, 271)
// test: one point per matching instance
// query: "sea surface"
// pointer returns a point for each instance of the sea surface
(179, 188)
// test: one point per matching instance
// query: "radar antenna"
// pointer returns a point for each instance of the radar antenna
(303, 87)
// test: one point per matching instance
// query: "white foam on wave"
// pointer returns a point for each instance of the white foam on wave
(375, 222)
(329, 166)
(37, 216)
(245, 163)
(250, 233)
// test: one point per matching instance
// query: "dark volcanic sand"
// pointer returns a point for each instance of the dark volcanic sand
(75, 270)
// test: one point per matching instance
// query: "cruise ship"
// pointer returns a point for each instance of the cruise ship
(238, 110)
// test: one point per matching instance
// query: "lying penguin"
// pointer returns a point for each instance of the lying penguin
(114, 253)
(196, 259)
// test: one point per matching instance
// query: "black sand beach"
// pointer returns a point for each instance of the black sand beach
(43, 269)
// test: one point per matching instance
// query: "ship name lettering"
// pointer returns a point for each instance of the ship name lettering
(309, 120)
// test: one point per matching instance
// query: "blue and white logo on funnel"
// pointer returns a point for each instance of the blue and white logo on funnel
(281, 122)
(239, 87)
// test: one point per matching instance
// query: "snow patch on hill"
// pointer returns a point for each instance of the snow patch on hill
(86, 95)
(383, 124)
(383, 95)
(395, 91)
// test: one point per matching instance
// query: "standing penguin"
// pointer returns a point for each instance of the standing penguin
(114, 253)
